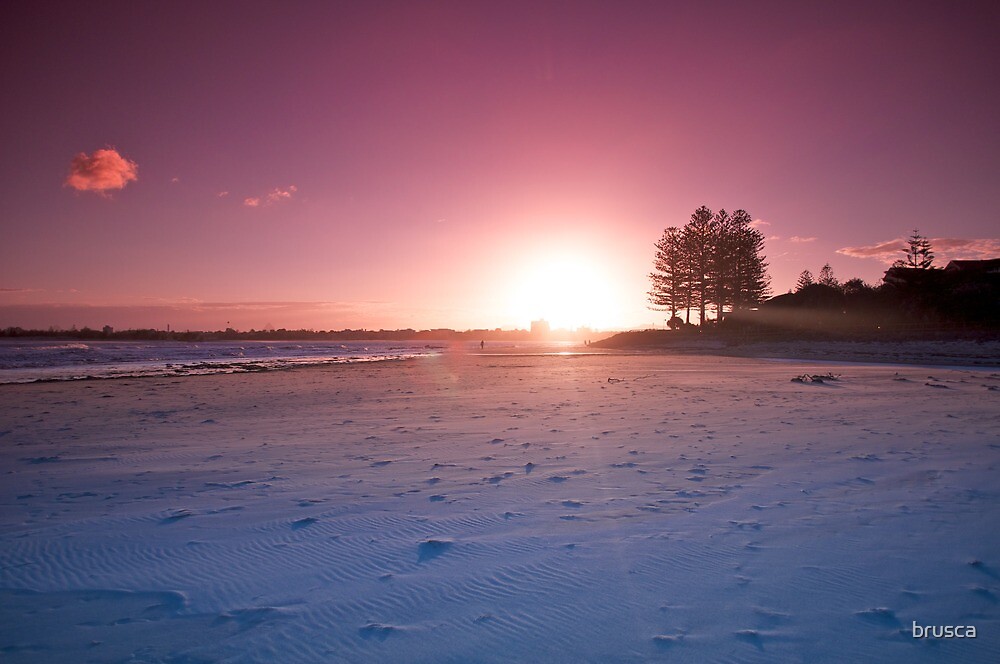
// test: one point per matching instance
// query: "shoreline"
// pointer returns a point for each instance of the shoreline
(973, 355)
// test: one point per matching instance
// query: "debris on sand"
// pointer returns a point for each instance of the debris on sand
(816, 378)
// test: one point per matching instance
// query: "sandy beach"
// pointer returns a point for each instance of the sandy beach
(465, 508)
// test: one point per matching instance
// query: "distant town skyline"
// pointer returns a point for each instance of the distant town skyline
(466, 165)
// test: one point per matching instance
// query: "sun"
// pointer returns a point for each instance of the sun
(569, 291)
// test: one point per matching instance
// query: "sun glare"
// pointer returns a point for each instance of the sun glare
(567, 291)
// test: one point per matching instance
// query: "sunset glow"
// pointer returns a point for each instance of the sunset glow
(470, 164)
(499, 331)
(567, 291)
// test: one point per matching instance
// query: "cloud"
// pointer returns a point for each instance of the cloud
(797, 239)
(11, 295)
(886, 252)
(757, 223)
(960, 248)
(280, 195)
(944, 248)
(184, 314)
(101, 172)
(222, 194)
(276, 195)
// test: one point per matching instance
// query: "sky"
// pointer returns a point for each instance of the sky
(335, 165)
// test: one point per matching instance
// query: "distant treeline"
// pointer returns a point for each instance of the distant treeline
(914, 294)
(230, 334)
(966, 294)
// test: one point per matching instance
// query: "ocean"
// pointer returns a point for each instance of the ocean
(27, 361)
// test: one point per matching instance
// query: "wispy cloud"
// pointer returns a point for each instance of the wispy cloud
(10, 295)
(187, 313)
(172, 300)
(281, 194)
(945, 248)
(886, 252)
(799, 240)
(757, 223)
(960, 248)
(102, 171)
(276, 195)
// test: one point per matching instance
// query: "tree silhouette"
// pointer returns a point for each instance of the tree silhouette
(670, 289)
(826, 276)
(918, 253)
(751, 281)
(805, 279)
(698, 242)
(714, 261)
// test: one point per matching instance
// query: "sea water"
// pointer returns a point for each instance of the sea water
(26, 361)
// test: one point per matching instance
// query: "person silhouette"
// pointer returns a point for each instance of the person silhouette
(482, 345)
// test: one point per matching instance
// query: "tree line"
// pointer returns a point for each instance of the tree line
(919, 256)
(714, 262)
(913, 291)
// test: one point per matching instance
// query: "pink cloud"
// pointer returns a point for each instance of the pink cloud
(944, 248)
(886, 252)
(797, 239)
(223, 194)
(193, 315)
(281, 194)
(103, 171)
(959, 248)
(757, 223)
(276, 195)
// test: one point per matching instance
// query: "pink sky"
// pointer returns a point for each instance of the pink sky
(412, 164)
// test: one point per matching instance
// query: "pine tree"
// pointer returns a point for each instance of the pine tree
(805, 279)
(751, 283)
(669, 290)
(826, 277)
(718, 279)
(918, 253)
(714, 261)
(698, 242)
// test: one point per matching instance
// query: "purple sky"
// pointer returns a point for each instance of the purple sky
(410, 164)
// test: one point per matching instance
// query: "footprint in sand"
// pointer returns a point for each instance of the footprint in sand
(377, 631)
(668, 640)
(880, 615)
(304, 523)
(432, 548)
(751, 636)
(176, 516)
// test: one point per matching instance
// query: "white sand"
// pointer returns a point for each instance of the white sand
(481, 508)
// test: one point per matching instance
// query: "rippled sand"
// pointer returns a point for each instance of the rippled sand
(503, 508)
